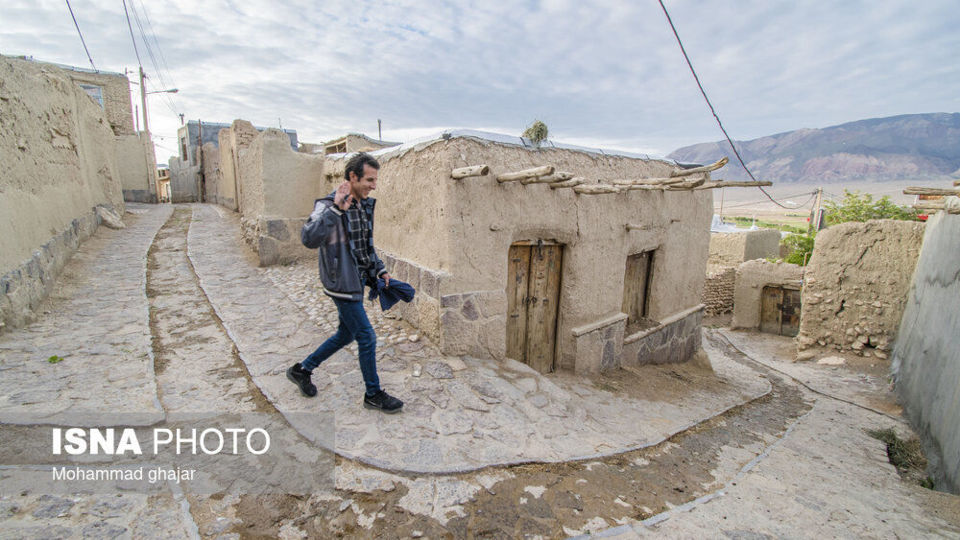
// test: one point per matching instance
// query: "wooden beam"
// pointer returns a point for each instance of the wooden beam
(528, 173)
(466, 172)
(695, 170)
(596, 189)
(643, 187)
(930, 191)
(936, 206)
(558, 176)
(956, 182)
(687, 185)
(576, 181)
(649, 181)
(722, 184)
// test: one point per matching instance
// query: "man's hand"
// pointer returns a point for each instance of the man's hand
(343, 198)
(386, 279)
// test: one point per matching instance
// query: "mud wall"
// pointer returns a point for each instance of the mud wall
(279, 187)
(718, 289)
(58, 155)
(733, 248)
(926, 356)
(184, 181)
(752, 277)
(459, 233)
(137, 165)
(116, 98)
(856, 286)
(211, 173)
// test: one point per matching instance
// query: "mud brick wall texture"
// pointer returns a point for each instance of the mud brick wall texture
(925, 361)
(856, 286)
(718, 289)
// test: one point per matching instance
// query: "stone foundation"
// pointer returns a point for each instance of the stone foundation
(599, 346)
(276, 240)
(676, 339)
(139, 195)
(24, 288)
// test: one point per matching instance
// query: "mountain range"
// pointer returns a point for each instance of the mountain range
(904, 147)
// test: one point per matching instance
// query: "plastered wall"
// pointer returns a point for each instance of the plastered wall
(752, 277)
(856, 286)
(279, 187)
(733, 248)
(926, 356)
(137, 167)
(116, 98)
(58, 157)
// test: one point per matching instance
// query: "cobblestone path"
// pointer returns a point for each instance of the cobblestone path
(204, 331)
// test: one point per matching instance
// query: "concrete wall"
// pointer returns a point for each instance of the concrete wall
(279, 188)
(733, 248)
(926, 356)
(752, 277)
(58, 156)
(137, 166)
(718, 289)
(457, 233)
(856, 286)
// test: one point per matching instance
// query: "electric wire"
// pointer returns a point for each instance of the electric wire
(153, 59)
(130, 26)
(712, 110)
(806, 202)
(72, 16)
(163, 60)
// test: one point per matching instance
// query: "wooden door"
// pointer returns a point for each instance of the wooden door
(780, 311)
(636, 284)
(533, 293)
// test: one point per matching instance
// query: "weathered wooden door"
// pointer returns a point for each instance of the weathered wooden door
(636, 285)
(780, 311)
(533, 293)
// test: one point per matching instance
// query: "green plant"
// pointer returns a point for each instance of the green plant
(800, 246)
(861, 207)
(537, 132)
(55, 359)
(904, 454)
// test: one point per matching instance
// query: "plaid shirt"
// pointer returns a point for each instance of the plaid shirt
(361, 241)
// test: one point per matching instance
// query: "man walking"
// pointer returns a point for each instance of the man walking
(341, 226)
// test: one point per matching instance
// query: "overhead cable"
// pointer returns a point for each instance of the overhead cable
(719, 123)
(90, 58)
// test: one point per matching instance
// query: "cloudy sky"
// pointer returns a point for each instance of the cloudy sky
(604, 73)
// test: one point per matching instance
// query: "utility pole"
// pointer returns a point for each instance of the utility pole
(143, 97)
(815, 219)
(379, 130)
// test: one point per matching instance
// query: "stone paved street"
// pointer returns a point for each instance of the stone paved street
(171, 315)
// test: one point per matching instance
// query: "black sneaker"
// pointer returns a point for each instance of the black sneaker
(301, 378)
(382, 401)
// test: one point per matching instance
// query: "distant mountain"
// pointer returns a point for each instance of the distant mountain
(909, 146)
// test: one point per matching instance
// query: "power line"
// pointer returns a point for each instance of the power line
(806, 202)
(133, 39)
(719, 123)
(81, 36)
(168, 100)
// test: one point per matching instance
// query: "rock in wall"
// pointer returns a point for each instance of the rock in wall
(926, 356)
(856, 286)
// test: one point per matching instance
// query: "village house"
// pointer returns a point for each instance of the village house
(560, 257)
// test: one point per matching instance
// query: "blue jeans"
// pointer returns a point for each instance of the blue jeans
(353, 325)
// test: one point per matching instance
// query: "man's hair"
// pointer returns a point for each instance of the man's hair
(356, 163)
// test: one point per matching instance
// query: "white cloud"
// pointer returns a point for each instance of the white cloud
(599, 73)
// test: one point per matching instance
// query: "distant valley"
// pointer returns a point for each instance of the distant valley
(905, 147)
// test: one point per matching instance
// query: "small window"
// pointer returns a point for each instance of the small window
(636, 287)
(95, 92)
